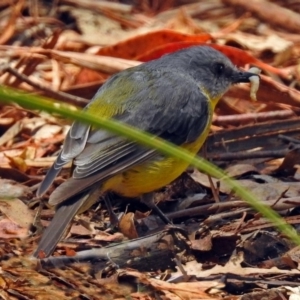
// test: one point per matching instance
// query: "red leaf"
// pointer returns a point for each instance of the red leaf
(137, 46)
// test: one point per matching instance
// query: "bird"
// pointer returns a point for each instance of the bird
(173, 98)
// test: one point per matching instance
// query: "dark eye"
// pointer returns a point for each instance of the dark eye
(219, 69)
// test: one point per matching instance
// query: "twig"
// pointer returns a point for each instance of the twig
(288, 139)
(78, 101)
(240, 222)
(207, 209)
(256, 117)
(260, 224)
(213, 219)
(186, 277)
(100, 5)
(232, 26)
(30, 63)
(249, 155)
(214, 190)
(270, 12)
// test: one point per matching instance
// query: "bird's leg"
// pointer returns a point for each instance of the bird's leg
(112, 216)
(149, 201)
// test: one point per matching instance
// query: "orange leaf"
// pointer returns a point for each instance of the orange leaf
(140, 44)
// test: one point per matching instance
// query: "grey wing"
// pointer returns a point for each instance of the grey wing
(74, 144)
(172, 108)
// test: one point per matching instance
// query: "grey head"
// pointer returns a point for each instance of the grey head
(211, 69)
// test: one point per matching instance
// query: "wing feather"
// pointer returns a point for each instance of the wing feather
(75, 186)
(172, 107)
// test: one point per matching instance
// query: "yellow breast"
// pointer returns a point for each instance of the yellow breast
(155, 174)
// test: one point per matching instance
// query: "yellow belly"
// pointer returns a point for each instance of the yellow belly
(153, 175)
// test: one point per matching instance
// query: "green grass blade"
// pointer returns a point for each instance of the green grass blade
(9, 95)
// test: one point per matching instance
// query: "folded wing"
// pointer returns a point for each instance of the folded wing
(171, 107)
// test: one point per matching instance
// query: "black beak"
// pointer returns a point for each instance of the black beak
(241, 76)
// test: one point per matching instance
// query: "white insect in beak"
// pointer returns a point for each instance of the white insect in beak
(254, 82)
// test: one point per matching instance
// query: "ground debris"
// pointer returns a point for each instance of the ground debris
(219, 247)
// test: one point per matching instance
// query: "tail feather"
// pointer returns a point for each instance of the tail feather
(63, 216)
(50, 176)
